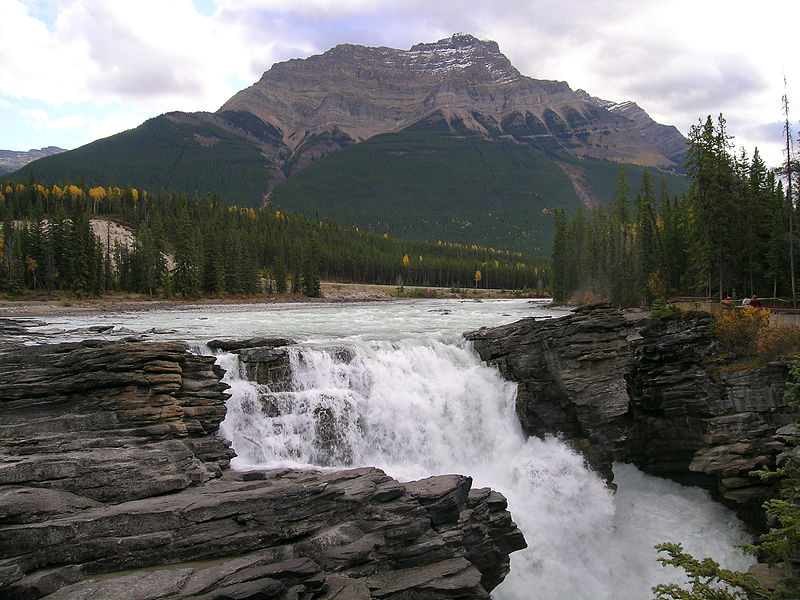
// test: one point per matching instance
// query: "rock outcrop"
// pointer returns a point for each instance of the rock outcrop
(11, 160)
(351, 93)
(113, 484)
(647, 393)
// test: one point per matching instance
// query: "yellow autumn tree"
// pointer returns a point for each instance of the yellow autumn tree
(97, 194)
(478, 277)
(405, 260)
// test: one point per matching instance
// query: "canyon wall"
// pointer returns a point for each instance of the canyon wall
(620, 387)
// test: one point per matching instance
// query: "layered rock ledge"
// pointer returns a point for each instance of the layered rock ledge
(647, 393)
(113, 484)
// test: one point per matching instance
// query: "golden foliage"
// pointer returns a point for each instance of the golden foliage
(775, 342)
(405, 260)
(97, 193)
(738, 330)
(74, 191)
(655, 285)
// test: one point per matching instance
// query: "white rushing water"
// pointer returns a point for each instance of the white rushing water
(396, 386)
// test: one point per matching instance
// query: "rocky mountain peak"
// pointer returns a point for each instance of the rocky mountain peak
(11, 160)
(462, 52)
(317, 105)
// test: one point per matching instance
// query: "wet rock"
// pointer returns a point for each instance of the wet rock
(232, 345)
(267, 366)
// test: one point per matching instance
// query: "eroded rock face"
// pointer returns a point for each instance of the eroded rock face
(113, 484)
(111, 421)
(625, 389)
(351, 93)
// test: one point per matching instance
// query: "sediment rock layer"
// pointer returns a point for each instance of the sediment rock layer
(647, 393)
(113, 484)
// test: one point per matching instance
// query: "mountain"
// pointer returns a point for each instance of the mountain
(361, 92)
(445, 141)
(11, 160)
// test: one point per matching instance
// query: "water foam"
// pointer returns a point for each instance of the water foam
(423, 406)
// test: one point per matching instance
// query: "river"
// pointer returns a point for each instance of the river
(395, 385)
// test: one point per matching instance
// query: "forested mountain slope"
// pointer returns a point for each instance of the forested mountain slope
(507, 145)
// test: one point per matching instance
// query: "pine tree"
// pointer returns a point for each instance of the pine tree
(311, 283)
(619, 239)
(213, 273)
(648, 245)
(559, 256)
(279, 272)
(186, 275)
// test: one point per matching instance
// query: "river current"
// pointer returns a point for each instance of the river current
(395, 385)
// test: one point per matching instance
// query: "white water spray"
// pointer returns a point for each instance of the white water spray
(424, 404)
(421, 406)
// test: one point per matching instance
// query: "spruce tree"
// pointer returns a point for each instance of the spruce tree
(279, 272)
(186, 275)
(311, 283)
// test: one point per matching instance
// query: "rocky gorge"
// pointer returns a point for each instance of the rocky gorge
(114, 484)
(620, 387)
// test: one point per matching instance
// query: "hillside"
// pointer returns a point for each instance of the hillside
(430, 183)
(364, 134)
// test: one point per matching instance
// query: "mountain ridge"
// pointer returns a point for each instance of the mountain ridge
(508, 148)
(11, 160)
(365, 91)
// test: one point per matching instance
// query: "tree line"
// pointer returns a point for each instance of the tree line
(730, 235)
(58, 237)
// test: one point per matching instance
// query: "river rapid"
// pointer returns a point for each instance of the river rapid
(395, 385)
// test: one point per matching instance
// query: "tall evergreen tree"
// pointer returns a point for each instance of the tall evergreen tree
(559, 260)
(186, 275)
(311, 259)
(279, 272)
(648, 251)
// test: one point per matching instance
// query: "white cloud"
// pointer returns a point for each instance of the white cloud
(678, 59)
(40, 120)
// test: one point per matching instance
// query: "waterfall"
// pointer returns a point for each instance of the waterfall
(428, 405)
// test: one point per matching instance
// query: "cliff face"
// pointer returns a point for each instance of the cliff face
(621, 389)
(362, 91)
(114, 484)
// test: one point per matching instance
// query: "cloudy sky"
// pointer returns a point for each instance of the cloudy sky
(72, 71)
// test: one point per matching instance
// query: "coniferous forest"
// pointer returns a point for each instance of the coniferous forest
(731, 235)
(189, 246)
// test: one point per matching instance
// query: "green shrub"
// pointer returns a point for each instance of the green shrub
(662, 311)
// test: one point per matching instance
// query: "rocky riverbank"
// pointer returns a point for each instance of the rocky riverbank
(648, 393)
(113, 484)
